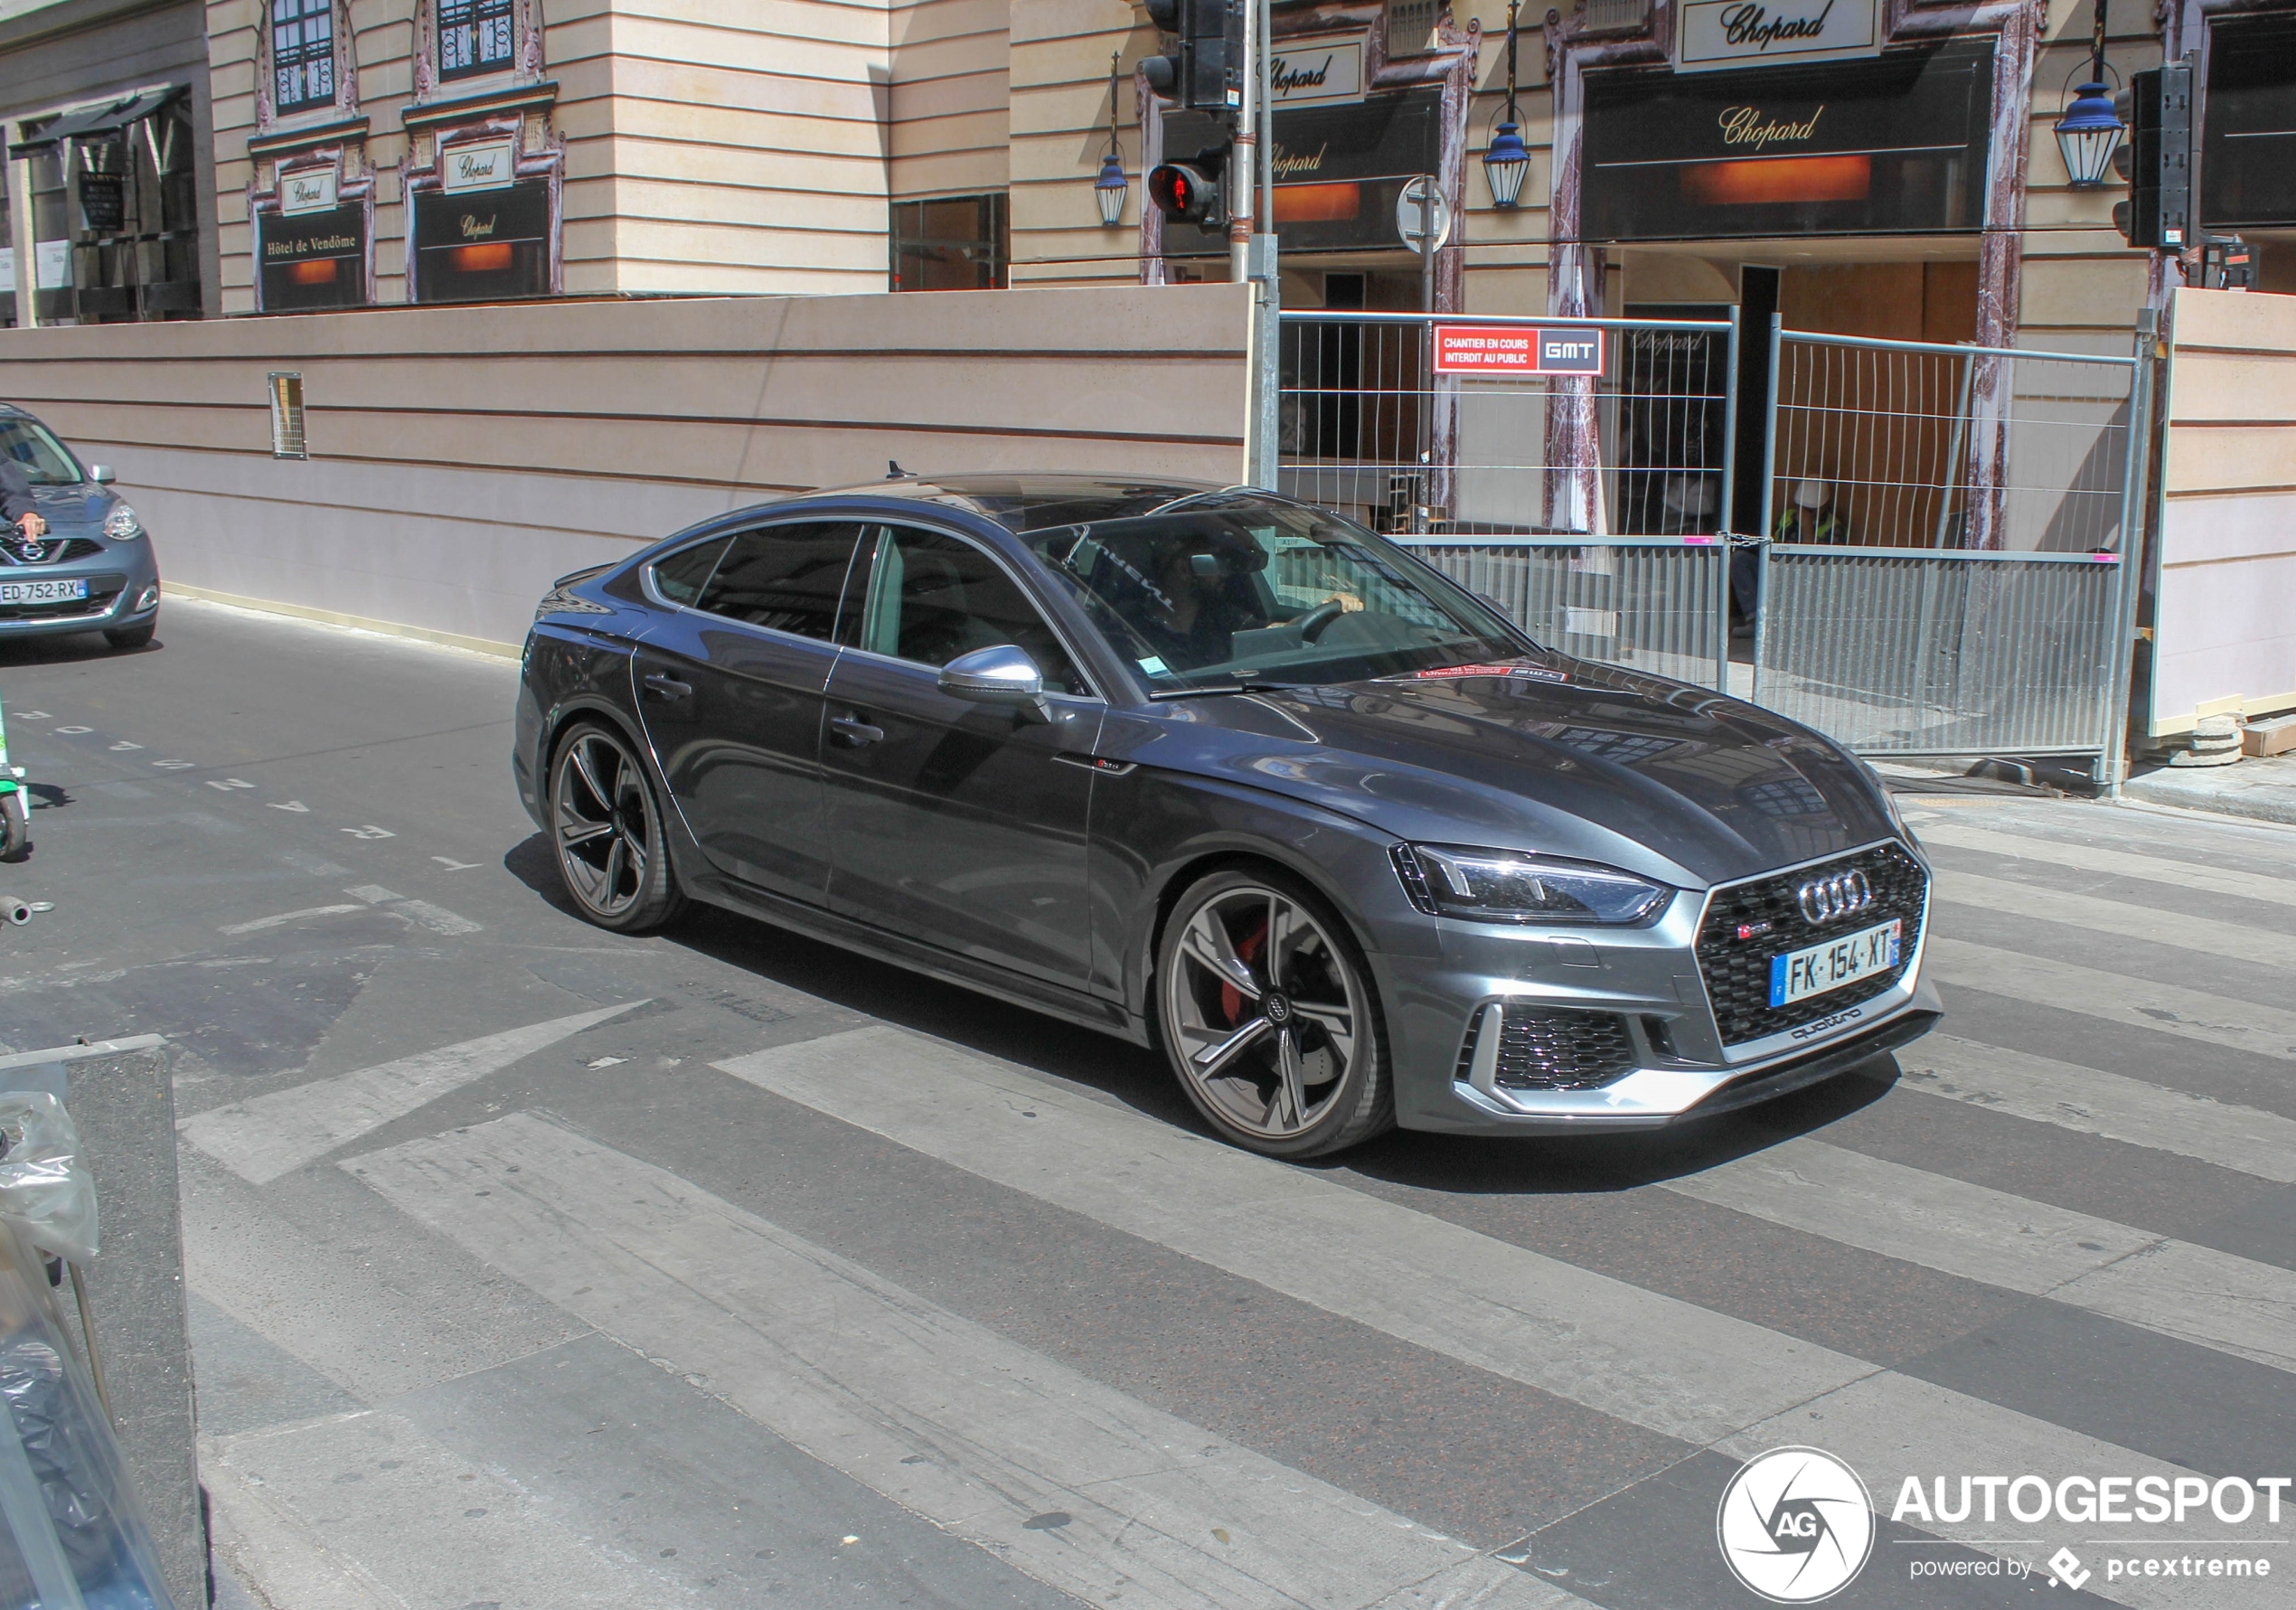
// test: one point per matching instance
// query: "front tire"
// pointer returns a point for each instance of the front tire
(606, 830)
(138, 636)
(1268, 1016)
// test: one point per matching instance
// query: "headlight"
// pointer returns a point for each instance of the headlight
(1509, 886)
(121, 525)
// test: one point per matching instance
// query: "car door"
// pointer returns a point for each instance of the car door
(959, 824)
(729, 687)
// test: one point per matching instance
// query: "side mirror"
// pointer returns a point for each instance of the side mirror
(103, 474)
(1003, 676)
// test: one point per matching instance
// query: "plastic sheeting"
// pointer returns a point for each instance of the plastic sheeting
(73, 1536)
(44, 1190)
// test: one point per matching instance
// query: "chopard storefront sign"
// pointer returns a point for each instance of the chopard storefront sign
(1304, 70)
(1715, 34)
(1895, 145)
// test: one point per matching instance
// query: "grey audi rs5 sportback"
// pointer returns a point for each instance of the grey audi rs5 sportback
(1223, 773)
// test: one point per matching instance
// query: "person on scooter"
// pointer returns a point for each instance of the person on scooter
(17, 506)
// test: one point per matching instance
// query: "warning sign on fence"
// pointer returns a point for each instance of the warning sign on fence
(1516, 349)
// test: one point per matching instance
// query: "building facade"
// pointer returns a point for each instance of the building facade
(1880, 167)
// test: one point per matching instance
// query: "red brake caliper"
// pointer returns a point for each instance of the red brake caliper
(1231, 999)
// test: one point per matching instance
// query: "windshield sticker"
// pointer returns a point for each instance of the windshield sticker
(1527, 673)
(1153, 664)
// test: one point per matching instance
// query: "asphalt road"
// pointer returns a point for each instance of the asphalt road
(532, 1267)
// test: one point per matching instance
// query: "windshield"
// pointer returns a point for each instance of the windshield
(1232, 589)
(42, 457)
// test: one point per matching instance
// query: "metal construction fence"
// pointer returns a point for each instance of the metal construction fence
(1420, 424)
(1940, 568)
(1906, 653)
(1899, 443)
(1659, 605)
(1950, 526)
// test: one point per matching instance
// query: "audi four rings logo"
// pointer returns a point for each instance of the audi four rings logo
(1823, 899)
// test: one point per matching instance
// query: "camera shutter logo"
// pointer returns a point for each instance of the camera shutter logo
(1795, 1525)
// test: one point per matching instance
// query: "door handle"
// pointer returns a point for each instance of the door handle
(666, 688)
(854, 732)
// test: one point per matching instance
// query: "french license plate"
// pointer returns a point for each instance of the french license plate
(41, 592)
(1800, 974)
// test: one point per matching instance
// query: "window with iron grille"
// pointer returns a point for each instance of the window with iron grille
(302, 53)
(474, 36)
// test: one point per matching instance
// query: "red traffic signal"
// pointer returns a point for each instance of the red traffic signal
(1188, 192)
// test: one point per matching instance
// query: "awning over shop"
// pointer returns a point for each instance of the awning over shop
(103, 120)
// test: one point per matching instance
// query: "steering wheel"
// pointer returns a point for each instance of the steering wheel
(1314, 621)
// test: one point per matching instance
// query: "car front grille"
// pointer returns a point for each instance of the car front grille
(1737, 970)
(14, 551)
(102, 591)
(1551, 1047)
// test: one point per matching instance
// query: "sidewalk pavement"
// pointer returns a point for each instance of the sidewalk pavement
(2261, 788)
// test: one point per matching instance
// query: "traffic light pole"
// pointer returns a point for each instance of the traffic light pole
(1264, 426)
(1243, 166)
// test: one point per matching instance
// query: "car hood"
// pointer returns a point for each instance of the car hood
(75, 511)
(1559, 755)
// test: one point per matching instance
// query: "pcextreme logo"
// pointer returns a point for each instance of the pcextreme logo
(1795, 1525)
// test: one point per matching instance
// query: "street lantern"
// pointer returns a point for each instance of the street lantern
(1507, 159)
(1505, 163)
(2088, 134)
(2090, 130)
(1111, 187)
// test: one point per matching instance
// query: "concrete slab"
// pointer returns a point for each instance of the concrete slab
(2261, 788)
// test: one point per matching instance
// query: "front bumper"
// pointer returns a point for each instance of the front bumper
(1445, 1028)
(123, 587)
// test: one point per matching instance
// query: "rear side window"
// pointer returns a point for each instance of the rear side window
(787, 578)
(680, 577)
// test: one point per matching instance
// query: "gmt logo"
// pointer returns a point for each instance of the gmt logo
(1795, 1525)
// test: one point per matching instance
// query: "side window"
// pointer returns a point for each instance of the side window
(785, 577)
(932, 598)
(680, 576)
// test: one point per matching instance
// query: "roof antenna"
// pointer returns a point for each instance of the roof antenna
(894, 472)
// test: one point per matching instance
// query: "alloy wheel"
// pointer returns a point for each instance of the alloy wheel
(602, 814)
(1264, 1011)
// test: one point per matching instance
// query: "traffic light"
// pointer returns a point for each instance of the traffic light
(2157, 158)
(1187, 190)
(1204, 68)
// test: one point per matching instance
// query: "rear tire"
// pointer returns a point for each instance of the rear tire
(606, 831)
(1269, 1017)
(129, 637)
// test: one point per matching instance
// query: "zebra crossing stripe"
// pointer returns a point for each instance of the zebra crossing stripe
(1666, 1366)
(2094, 861)
(2095, 915)
(975, 1433)
(2115, 997)
(277, 1133)
(1656, 1362)
(2089, 1101)
(2195, 1293)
